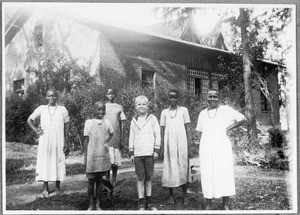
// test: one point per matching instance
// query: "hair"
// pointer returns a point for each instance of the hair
(52, 90)
(99, 103)
(174, 91)
(143, 98)
(112, 89)
(214, 89)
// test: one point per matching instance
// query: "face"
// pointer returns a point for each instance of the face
(110, 95)
(100, 110)
(213, 98)
(141, 106)
(51, 97)
(173, 99)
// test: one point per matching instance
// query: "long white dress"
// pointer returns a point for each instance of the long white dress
(216, 161)
(176, 170)
(50, 156)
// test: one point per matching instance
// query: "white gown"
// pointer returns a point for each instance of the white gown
(216, 159)
(50, 156)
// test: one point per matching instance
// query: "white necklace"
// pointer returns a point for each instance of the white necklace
(213, 115)
(52, 114)
(175, 113)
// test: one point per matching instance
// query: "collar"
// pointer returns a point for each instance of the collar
(135, 118)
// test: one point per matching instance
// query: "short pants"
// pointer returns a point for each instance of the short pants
(144, 167)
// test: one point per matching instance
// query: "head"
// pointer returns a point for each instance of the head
(173, 97)
(110, 95)
(141, 105)
(52, 97)
(100, 109)
(213, 98)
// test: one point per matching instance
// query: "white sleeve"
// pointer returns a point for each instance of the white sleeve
(65, 114)
(200, 122)
(87, 128)
(36, 113)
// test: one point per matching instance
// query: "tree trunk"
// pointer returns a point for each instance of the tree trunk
(249, 103)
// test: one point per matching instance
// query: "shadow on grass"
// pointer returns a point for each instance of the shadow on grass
(16, 175)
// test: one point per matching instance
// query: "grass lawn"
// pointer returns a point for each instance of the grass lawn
(256, 188)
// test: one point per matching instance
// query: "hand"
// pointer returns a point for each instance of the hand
(132, 158)
(39, 132)
(155, 155)
(106, 144)
(66, 150)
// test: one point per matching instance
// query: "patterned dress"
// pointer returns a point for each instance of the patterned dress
(216, 159)
(114, 113)
(176, 170)
(50, 156)
(98, 159)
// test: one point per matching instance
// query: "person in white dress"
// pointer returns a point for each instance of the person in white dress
(216, 159)
(175, 128)
(53, 141)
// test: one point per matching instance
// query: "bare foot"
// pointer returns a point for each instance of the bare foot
(208, 207)
(98, 208)
(185, 200)
(226, 207)
(90, 208)
(171, 200)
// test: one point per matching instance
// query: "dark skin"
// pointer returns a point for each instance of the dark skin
(110, 96)
(52, 98)
(100, 110)
(214, 103)
(173, 101)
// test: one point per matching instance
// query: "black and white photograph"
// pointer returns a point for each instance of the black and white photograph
(149, 107)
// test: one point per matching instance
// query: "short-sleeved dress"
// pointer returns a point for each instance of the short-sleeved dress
(114, 113)
(98, 159)
(50, 156)
(176, 170)
(216, 159)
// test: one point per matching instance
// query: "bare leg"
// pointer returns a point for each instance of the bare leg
(45, 192)
(57, 188)
(208, 204)
(141, 194)
(91, 193)
(226, 202)
(171, 199)
(98, 192)
(114, 173)
(184, 192)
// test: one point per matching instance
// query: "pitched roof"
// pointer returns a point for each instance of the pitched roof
(187, 30)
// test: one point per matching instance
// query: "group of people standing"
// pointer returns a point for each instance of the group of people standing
(148, 137)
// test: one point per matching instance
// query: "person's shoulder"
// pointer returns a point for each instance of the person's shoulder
(107, 122)
(183, 109)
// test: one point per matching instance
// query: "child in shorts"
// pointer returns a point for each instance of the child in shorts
(97, 133)
(144, 145)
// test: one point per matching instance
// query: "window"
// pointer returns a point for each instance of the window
(265, 104)
(18, 86)
(148, 78)
(38, 36)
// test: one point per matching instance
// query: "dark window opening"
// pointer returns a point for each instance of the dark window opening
(147, 78)
(265, 104)
(197, 86)
(18, 86)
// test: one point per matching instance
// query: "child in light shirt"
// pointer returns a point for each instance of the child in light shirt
(144, 145)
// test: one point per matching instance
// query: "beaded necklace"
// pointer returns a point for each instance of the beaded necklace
(214, 114)
(175, 113)
(51, 115)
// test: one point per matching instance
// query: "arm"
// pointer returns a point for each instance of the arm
(86, 143)
(131, 143)
(235, 125)
(66, 136)
(109, 138)
(157, 140)
(188, 136)
(162, 131)
(34, 128)
(122, 134)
